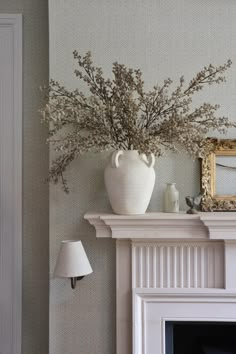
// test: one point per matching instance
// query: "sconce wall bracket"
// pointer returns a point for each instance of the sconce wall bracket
(74, 280)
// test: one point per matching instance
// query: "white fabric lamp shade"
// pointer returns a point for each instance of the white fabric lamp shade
(72, 260)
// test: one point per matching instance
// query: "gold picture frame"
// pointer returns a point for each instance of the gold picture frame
(212, 199)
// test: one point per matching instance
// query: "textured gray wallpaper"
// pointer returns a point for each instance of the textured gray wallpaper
(35, 166)
(165, 39)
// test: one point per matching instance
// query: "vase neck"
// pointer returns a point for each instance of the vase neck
(132, 154)
(170, 185)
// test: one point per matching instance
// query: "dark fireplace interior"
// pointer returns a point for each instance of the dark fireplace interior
(200, 337)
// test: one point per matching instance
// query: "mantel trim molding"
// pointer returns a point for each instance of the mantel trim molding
(218, 226)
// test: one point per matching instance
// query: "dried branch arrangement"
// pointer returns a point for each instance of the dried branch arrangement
(119, 114)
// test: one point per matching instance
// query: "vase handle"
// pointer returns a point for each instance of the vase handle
(150, 162)
(115, 158)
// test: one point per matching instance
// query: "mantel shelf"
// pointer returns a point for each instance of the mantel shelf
(216, 225)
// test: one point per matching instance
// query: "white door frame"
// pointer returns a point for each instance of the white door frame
(11, 186)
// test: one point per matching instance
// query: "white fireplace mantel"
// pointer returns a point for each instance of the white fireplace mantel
(166, 259)
(216, 225)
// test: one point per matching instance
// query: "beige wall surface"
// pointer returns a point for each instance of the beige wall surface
(165, 39)
(35, 166)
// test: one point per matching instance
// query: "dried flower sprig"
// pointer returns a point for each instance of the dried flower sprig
(119, 114)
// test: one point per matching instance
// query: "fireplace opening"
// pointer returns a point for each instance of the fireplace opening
(200, 337)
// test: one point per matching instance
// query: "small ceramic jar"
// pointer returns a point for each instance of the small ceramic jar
(171, 199)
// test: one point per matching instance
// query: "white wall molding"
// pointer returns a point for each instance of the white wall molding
(11, 182)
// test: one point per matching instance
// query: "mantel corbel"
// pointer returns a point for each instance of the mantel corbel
(221, 226)
(96, 220)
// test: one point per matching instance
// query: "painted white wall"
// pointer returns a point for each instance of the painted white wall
(165, 39)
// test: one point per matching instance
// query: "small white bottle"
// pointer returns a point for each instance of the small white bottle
(171, 198)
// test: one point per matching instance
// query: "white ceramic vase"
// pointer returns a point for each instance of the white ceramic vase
(129, 180)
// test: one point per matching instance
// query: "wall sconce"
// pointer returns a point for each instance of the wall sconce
(72, 262)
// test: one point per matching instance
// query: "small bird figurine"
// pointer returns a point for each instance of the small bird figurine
(193, 203)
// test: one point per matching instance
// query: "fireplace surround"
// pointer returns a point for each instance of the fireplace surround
(169, 268)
